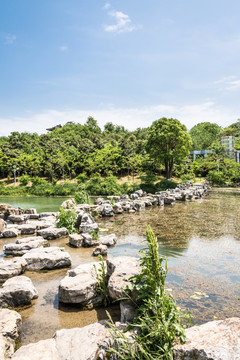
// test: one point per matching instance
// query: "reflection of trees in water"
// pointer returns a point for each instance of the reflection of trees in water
(209, 218)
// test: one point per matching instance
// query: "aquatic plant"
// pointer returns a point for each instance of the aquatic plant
(67, 218)
(102, 289)
(157, 325)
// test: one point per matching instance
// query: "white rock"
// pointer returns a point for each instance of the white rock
(47, 258)
(21, 249)
(120, 269)
(87, 343)
(80, 285)
(12, 267)
(218, 340)
(52, 233)
(17, 291)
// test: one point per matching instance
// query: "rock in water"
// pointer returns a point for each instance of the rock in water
(80, 286)
(217, 340)
(10, 326)
(12, 267)
(17, 291)
(52, 233)
(87, 343)
(47, 258)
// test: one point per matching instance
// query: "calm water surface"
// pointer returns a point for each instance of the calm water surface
(201, 241)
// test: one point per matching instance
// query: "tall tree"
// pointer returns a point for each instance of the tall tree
(204, 135)
(168, 143)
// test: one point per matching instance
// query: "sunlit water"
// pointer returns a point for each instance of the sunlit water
(201, 241)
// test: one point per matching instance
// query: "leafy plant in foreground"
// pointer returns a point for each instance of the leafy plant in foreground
(67, 218)
(102, 282)
(157, 325)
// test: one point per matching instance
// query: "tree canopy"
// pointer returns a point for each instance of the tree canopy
(204, 135)
(168, 143)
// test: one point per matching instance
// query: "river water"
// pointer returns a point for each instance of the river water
(201, 241)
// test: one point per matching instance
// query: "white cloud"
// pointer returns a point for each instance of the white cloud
(131, 118)
(123, 23)
(9, 38)
(229, 83)
(63, 48)
(107, 6)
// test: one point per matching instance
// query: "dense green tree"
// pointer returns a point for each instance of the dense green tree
(204, 134)
(168, 143)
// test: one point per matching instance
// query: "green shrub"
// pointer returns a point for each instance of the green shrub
(103, 186)
(165, 184)
(217, 177)
(36, 180)
(158, 319)
(24, 180)
(82, 178)
(67, 218)
(81, 196)
(186, 177)
(129, 188)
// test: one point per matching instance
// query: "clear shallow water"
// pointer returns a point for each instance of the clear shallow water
(201, 241)
(39, 203)
(42, 203)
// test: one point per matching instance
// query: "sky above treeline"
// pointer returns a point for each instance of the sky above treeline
(125, 61)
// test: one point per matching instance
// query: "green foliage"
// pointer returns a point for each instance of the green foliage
(94, 234)
(24, 180)
(67, 218)
(186, 177)
(81, 197)
(82, 178)
(168, 143)
(103, 186)
(102, 289)
(204, 135)
(165, 184)
(129, 187)
(158, 320)
(36, 180)
(217, 177)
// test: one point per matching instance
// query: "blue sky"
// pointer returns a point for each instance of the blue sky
(126, 61)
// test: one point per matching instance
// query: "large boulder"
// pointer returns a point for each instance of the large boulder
(52, 233)
(87, 343)
(10, 233)
(27, 229)
(47, 258)
(108, 240)
(18, 219)
(17, 291)
(12, 267)
(76, 240)
(69, 204)
(80, 285)
(87, 224)
(117, 208)
(139, 205)
(100, 250)
(10, 326)
(215, 340)
(88, 240)
(119, 270)
(2, 225)
(14, 249)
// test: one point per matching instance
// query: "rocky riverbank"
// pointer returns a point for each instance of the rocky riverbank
(79, 286)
